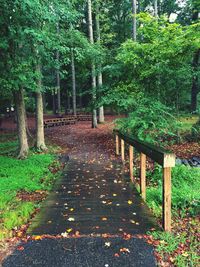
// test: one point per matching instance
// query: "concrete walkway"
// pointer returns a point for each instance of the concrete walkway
(93, 200)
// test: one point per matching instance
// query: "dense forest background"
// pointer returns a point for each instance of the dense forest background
(138, 58)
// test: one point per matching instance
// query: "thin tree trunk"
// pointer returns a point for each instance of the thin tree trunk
(100, 77)
(68, 102)
(40, 141)
(134, 27)
(93, 68)
(58, 75)
(80, 99)
(54, 102)
(58, 86)
(195, 86)
(101, 109)
(156, 8)
(73, 82)
(21, 124)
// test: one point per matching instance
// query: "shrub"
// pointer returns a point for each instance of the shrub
(150, 121)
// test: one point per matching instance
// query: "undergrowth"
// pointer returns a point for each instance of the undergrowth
(30, 175)
(180, 247)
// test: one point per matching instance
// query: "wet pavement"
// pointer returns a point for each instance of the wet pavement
(94, 197)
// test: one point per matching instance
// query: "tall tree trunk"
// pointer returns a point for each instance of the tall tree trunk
(73, 82)
(58, 75)
(101, 109)
(93, 68)
(134, 26)
(21, 124)
(156, 8)
(80, 98)
(195, 86)
(100, 77)
(40, 142)
(44, 103)
(58, 85)
(54, 101)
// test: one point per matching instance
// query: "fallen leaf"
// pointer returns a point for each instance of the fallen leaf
(71, 219)
(124, 250)
(107, 244)
(20, 248)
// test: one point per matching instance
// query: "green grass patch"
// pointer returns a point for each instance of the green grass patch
(187, 122)
(182, 245)
(185, 190)
(16, 175)
(182, 248)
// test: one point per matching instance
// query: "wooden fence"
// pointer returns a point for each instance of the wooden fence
(157, 154)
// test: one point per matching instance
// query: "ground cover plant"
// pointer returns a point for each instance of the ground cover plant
(29, 177)
(181, 247)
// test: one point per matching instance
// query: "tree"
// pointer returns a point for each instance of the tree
(93, 68)
(21, 124)
(100, 76)
(40, 142)
(134, 10)
(73, 82)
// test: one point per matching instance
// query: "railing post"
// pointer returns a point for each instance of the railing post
(143, 175)
(122, 150)
(117, 145)
(167, 199)
(131, 162)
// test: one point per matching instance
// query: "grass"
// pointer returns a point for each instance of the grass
(187, 122)
(30, 175)
(181, 246)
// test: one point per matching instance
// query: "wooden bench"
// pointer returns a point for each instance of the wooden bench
(83, 117)
(59, 122)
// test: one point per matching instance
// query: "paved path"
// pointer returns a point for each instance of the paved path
(93, 199)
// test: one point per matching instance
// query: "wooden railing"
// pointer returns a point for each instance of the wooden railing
(157, 154)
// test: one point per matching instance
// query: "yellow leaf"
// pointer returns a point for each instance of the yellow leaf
(38, 237)
(130, 202)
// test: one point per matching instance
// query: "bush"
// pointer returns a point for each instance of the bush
(150, 121)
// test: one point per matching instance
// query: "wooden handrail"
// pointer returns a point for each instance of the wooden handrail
(161, 156)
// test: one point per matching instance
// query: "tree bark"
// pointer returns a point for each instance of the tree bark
(156, 8)
(73, 82)
(134, 27)
(58, 75)
(195, 86)
(100, 77)
(58, 85)
(21, 124)
(54, 101)
(93, 68)
(40, 140)
(101, 109)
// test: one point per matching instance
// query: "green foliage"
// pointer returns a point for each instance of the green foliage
(150, 121)
(15, 175)
(160, 64)
(185, 190)
(169, 243)
(8, 147)
(18, 216)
